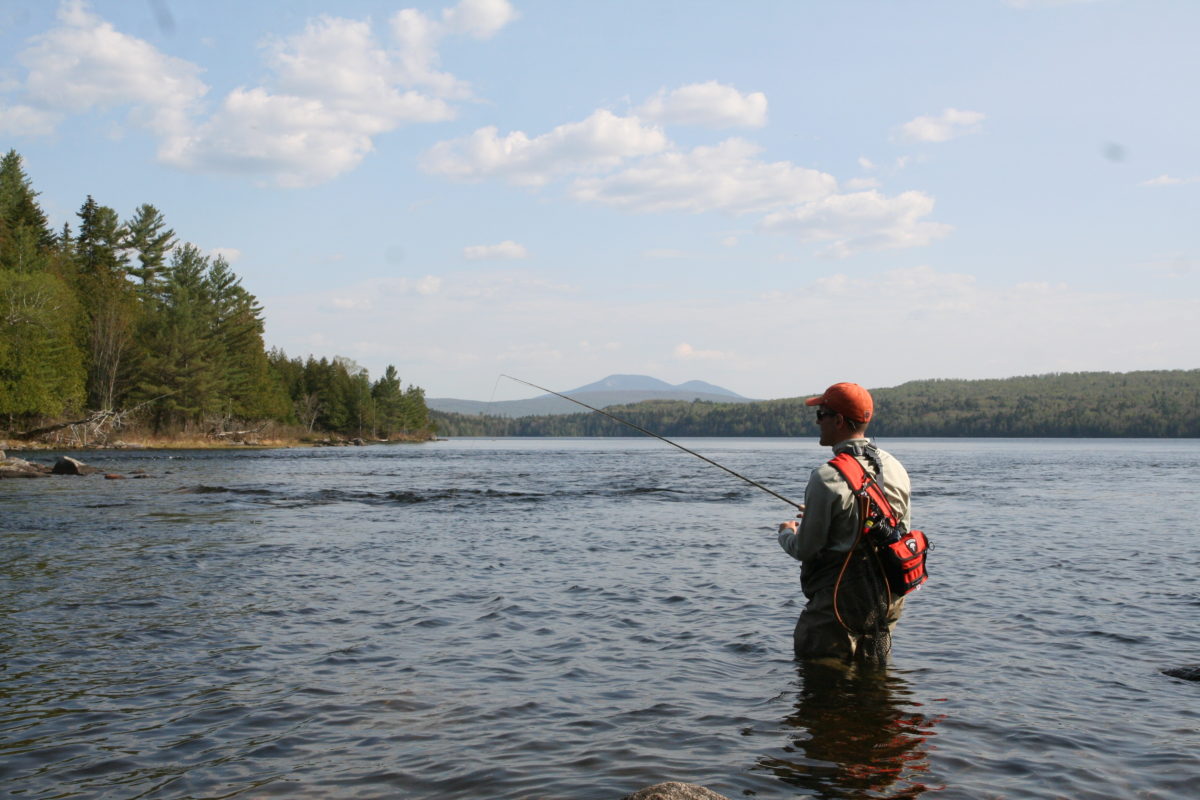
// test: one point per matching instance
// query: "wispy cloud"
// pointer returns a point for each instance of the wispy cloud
(686, 352)
(506, 250)
(711, 105)
(948, 125)
(1168, 180)
(728, 177)
(602, 141)
(861, 221)
(230, 254)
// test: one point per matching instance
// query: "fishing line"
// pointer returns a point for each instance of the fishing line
(640, 429)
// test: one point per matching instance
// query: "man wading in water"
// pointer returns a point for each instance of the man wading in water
(850, 612)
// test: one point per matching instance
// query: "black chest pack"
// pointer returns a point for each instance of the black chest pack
(901, 552)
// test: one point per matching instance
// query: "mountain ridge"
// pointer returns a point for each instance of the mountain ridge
(616, 389)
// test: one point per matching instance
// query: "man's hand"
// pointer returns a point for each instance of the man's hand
(791, 526)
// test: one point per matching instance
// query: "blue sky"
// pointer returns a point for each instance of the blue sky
(769, 196)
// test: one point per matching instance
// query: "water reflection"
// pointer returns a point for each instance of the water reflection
(853, 733)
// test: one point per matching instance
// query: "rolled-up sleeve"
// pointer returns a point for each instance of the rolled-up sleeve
(819, 502)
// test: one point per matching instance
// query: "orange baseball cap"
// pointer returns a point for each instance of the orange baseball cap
(848, 399)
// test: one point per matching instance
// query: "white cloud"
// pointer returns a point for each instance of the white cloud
(339, 63)
(293, 140)
(1168, 180)
(663, 254)
(230, 254)
(854, 184)
(861, 221)
(686, 352)
(711, 105)
(419, 36)
(601, 141)
(351, 303)
(428, 285)
(334, 86)
(507, 249)
(727, 177)
(950, 124)
(364, 296)
(481, 19)
(25, 120)
(86, 64)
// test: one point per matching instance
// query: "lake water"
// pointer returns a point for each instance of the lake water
(577, 619)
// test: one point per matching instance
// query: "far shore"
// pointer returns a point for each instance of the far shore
(207, 443)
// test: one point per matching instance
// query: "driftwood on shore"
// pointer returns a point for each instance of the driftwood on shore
(96, 427)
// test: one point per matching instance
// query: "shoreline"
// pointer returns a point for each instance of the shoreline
(206, 443)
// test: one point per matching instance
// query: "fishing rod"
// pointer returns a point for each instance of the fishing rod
(640, 429)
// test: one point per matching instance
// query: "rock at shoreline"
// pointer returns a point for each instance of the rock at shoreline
(20, 468)
(673, 790)
(70, 466)
(1191, 673)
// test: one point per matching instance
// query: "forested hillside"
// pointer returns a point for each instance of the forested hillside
(122, 321)
(1086, 404)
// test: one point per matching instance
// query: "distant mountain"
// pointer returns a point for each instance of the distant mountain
(645, 383)
(614, 390)
(1156, 403)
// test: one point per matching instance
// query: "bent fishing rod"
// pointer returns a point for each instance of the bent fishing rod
(640, 429)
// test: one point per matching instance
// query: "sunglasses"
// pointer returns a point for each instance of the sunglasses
(823, 413)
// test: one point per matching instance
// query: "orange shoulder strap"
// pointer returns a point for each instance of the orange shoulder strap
(864, 485)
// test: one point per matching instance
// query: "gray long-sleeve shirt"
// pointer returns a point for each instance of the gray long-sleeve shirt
(830, 524)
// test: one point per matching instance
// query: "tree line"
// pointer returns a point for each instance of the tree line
(121, 314)
(1085, 404)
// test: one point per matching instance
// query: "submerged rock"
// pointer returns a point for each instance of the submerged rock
(1191, 673)
(673, 790)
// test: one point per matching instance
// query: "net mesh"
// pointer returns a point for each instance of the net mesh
(863, 603)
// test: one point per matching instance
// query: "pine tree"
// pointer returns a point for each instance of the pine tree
(389, 403)
(108, 300)
(247, 387)
(180, 375)
(41, 366)
(25, 236)
(148, 236)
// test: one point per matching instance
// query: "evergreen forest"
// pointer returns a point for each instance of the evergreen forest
(120, 323)
(1085, 404)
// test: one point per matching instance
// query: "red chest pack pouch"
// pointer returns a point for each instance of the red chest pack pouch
(901, 552)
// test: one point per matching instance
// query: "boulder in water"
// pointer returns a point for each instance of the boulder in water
(673, 790)
(20, 468)
(1191, 673)
(70, 466)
